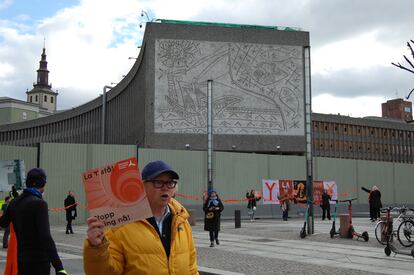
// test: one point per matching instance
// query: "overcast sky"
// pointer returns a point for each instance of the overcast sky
(88, 43)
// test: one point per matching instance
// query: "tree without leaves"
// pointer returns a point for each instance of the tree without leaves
(409, 62)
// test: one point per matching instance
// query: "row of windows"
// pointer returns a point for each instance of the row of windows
(77, 129)
(357, 130)
(44, 99)
(362, 142)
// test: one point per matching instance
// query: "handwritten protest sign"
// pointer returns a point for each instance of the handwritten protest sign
(116, 194)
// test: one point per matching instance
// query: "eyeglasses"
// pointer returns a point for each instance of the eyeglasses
(160, 183)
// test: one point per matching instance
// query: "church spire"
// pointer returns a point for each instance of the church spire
(43, 72)
(42, 93)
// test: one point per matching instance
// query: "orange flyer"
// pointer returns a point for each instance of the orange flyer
(115, 193)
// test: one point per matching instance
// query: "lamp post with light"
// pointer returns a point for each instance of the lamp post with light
(103, 122)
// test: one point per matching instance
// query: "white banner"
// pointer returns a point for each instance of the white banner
(270, 191)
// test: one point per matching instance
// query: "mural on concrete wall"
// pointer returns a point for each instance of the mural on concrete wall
(257, 89)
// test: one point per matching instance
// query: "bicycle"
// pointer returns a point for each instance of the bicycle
(387, 232)
(405, 231)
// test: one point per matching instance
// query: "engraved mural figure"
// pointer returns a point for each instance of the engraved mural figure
(257, 89)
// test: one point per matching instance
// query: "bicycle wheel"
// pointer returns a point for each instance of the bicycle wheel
(378, 232)
(405, 233)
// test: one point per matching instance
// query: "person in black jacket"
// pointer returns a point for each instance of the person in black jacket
(375, 197)
(212, 208)
(325, 204)
(251, 203)
(36, 249)
(371, 213)
(71, 214)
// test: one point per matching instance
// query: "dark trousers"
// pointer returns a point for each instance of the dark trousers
(25, 268)
(371, 212)
(69, 227)
(6, 237)
(213, 235)
(285, 215)
(326, 210)
(376, 213)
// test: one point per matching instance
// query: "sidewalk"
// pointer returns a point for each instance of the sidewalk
(267, 247)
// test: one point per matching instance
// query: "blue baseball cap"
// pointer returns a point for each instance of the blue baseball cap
(156, 168)
(211, 190)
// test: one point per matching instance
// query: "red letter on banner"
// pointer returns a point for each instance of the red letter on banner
(270, 190)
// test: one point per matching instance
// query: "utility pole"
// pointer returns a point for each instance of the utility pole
(209, 134)
(308, 138)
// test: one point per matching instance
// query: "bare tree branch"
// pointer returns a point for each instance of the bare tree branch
(402, 67)
(411, 49)
(408, 96)
(409, 62)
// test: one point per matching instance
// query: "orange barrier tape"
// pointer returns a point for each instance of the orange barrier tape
(188, 196)
(235, 200)
(62, 208)
(291, 198)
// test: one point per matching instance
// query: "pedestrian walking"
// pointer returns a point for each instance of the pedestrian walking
(325, 204)
(212, 211)
(162, 244)
(7, 229)
(28, 213)
(251, 203)
(70, 208)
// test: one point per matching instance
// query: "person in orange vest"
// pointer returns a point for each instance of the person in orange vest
(7, 229)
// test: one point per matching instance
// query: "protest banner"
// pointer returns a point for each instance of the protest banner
(285, 189)
(270, 191)
(299, 191)
(332, 189)
(318, 187)
(115, 193)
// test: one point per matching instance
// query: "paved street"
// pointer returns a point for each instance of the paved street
(268, 247)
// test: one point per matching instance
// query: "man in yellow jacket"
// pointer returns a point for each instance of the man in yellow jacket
(162, 244)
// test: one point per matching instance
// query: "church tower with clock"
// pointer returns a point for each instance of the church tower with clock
(42, 93)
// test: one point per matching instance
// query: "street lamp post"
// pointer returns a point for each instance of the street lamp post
(103, 122)
(308, 138)
(209, 134)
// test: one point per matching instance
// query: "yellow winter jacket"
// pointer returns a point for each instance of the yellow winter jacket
(136, 248)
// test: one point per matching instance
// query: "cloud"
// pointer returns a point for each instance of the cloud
(361, 105)
(5, 4)
(384, 81)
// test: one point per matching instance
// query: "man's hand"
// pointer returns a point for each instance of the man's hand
(95, 231)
